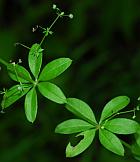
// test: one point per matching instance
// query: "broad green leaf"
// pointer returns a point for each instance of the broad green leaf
(122, 126)
(113, 106)
(81, 109)
(31, 105)
(54, 69)
(73, 126)
(52, 92)
(82, 145)
(111, 142)
(13, 94)
(35, 59)
(18, 73)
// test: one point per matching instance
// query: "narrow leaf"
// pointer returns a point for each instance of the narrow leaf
(54, 69)
(31, 105)
(13, 94)
(81, 109)
(35, 59)
(52, 92)
(113, 106)
(122, 126)
(82, 145)
(73, 126)
(111, 142)
(18, 73)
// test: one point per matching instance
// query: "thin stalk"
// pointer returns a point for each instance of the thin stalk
(3, 62)
(22, 45)
(54, 21)
(126, 144)
(119, 113)
(17, 75)
(49, 29)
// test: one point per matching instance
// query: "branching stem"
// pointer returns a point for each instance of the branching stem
(48, 29)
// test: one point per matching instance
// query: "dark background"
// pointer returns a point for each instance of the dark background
(103, 40)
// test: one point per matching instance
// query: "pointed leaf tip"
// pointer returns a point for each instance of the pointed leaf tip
(113, 106)
(19, 73)
(31, 105)
(14, 94)
(81, 109)
(52, 92)
(73, 126)
(54, 69)
(122, 126)
(111, 142)
(35, 59)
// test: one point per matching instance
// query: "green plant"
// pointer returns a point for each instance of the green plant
(87, 125)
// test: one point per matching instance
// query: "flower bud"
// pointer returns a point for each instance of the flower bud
(54, 6)
(71, 16)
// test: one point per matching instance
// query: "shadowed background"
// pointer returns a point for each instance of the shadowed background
(103, 40)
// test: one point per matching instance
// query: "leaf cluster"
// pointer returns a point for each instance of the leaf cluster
(86, 125)
(42, 81)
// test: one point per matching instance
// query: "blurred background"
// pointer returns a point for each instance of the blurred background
(103, 40)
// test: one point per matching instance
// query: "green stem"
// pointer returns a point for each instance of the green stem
(49, 29)
(54, 21)
(126, 144)
(3, 62)
(17, 74)
(119, 113)
(22, 45)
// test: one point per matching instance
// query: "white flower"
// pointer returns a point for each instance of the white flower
(54, 6)
(71, 16)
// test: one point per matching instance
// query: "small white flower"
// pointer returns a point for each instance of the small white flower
(20, 88)
(54, 6)
(62, 13)
(71, 16)
(19, 61)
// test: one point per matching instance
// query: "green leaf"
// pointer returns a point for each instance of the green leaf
(135, 148)
(113, 106)
(52, 92)
(82, 145)
(31, 105)
(137, 136)
(111, 142)
(18, 73)
(73, 126)
(35, 59)
(122, 126)
(81, 109)
(13, 94)
(54, 69)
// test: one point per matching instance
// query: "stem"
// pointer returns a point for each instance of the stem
(42, 40)
(3, 62)
(22, 45)
(119, 113)
(54, 21)
(126, 144)
(49, 29)
(17, 74)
